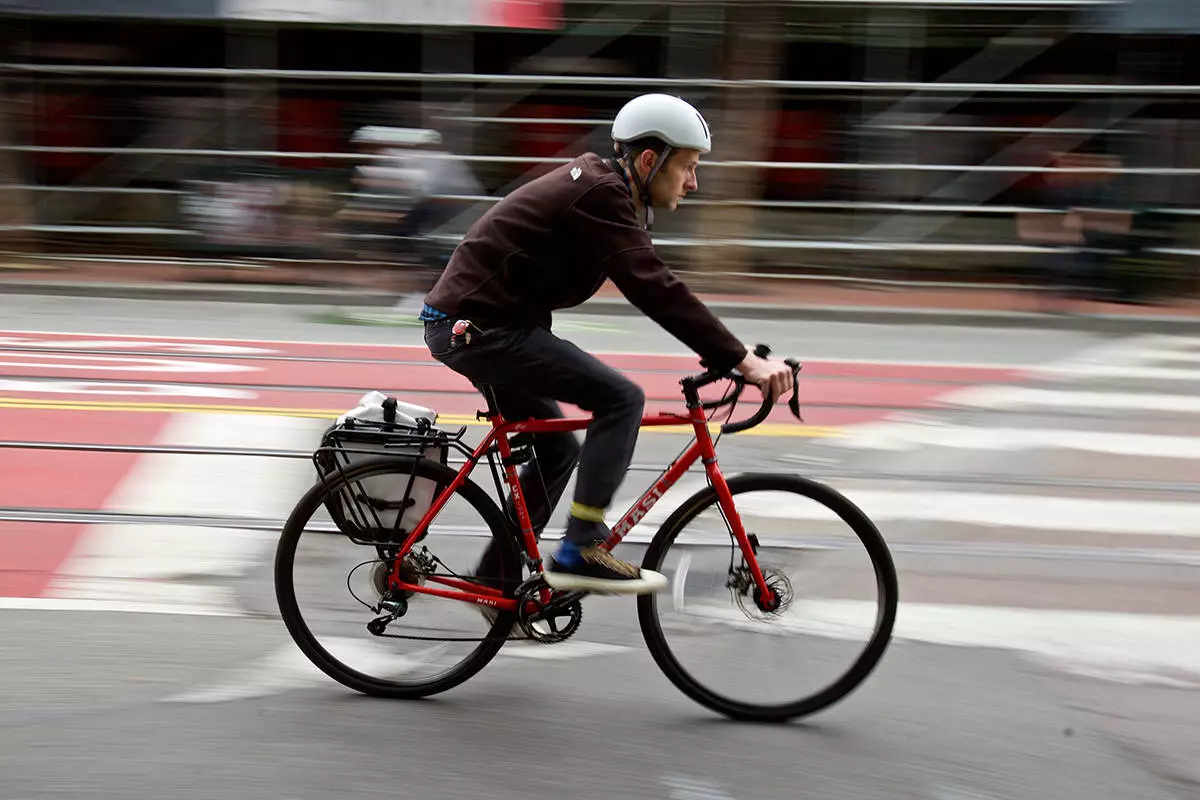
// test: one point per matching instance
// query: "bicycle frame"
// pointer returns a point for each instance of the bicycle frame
(701, 448)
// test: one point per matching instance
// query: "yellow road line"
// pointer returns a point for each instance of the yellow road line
(766, 429)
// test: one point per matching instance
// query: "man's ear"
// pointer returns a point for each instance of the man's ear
(646, 160)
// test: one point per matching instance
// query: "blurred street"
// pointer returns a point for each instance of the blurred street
(1038, 489)
(973, 221)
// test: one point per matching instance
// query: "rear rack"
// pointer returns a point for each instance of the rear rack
(379, 511)
(375, 438)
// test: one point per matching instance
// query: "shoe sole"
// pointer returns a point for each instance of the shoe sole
(649, 583)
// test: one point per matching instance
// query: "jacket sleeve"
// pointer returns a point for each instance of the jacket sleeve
(605, 224)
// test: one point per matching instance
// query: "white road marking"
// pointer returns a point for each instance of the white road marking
(1173, 355)
(1126, 372)
(911, 436)
(563, 651)
(43, 386)
(200, 348)
(159, 565)
(118, 363)
(1019, 511)
(1130, 648)
(254, 486)
(112, 606)
(684, 787)
(288, 668)
(191, 567)
(1012, 397)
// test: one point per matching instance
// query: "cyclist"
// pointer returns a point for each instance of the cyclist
(551, 244)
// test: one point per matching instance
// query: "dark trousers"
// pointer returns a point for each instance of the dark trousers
(529, 370)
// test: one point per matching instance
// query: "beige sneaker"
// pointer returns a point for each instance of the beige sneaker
(598, 571)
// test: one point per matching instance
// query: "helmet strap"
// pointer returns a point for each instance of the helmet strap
(643, 187)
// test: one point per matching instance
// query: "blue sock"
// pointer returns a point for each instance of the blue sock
(568, 554)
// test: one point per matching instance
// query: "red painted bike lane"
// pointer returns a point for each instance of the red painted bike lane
(59, 479)
(73, 388)
(228, 373)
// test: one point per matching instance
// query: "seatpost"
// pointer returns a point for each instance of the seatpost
(691, 395)
(493, 408)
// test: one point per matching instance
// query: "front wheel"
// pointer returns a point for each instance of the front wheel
(811, 643)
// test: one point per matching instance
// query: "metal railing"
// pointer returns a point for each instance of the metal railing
(73, 72)
(816, 166)
(809, 205)
(907, 87)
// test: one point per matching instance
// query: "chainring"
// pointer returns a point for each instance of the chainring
(544, 625)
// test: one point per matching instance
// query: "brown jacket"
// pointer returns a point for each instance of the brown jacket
(551, 244)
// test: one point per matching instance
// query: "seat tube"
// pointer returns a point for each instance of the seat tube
(514, 486)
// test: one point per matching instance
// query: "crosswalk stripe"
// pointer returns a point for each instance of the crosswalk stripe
(909, 436)
(1133, 648)
(287, 669)
(1013, 397)
(186, 566)
(1186, 356)
(114, 606)
(1121, 371)
(177, 483)
(1016, 511)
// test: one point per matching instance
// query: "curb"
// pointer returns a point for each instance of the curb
(225, 293)
(1094, 323)
(366, 298)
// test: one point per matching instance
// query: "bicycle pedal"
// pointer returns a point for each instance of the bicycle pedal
(532, 583)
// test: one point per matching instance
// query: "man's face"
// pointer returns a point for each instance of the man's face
(676, 178)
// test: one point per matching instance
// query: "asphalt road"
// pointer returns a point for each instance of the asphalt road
(1046, 644)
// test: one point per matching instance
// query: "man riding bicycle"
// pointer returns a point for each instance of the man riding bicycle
(551, 244)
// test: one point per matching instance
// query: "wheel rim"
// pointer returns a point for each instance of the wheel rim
(726, 650)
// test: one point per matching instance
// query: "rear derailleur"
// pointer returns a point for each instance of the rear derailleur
(393, 603)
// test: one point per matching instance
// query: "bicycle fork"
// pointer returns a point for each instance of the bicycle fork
(747, 543)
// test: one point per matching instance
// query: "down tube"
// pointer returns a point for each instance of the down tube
(652, 495)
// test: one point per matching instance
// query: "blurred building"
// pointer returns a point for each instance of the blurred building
(892, 137)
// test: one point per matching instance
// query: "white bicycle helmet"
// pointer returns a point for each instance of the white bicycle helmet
(667, 118)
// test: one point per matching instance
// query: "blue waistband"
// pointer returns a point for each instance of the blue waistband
(431, 314)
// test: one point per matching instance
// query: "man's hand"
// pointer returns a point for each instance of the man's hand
(768, 374)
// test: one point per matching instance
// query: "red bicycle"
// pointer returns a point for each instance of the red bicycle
(782, 598)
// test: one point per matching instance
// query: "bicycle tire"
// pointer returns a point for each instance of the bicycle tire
(303, 636)
(886, 582)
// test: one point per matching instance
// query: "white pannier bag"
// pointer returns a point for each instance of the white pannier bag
(383, 507)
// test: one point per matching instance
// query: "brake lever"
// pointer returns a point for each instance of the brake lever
(739, 381)
(794, 400)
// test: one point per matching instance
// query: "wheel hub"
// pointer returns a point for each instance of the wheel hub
(413, 570)
(774, 602)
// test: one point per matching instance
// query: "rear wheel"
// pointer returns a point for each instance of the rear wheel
(332, 588)
(814, 640)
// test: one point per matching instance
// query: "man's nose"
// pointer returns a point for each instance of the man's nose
(691, 184)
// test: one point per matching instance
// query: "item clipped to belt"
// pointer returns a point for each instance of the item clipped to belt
(460, 332)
